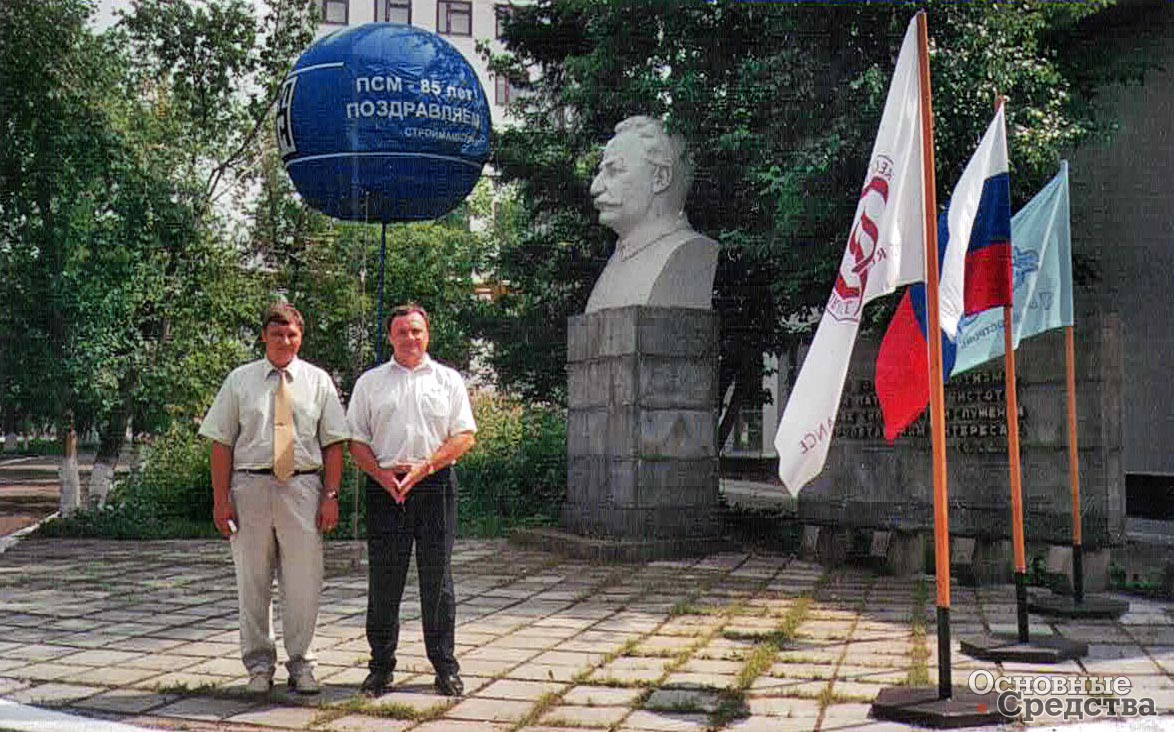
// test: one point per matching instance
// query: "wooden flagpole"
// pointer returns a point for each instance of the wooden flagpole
(1074, 468)
(944, 706)
(1017, 530)
(937, 396)
(996, 646)
(1078, 605)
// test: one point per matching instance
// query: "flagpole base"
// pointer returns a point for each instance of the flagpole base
(925, 707)
(1066, 606)
(1002, 647)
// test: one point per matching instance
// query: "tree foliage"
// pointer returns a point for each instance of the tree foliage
(131, 295)
(779, 103)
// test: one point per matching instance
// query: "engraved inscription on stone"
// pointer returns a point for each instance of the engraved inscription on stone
(976, 414)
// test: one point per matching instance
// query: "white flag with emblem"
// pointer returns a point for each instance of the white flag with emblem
(885, 250)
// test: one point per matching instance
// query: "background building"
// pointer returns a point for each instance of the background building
(461, 22)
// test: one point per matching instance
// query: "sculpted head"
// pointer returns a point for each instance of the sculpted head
(645, 175)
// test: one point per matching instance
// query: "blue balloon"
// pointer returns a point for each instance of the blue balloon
(383, 122)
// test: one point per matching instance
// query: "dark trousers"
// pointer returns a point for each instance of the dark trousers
(428, 519)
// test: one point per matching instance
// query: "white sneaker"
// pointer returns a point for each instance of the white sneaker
(303, 682)
(260, 683)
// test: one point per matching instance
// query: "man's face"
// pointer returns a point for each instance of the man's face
(282, 343)
(409, 338)
(623, 189)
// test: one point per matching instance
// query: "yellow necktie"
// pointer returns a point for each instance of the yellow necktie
(283, 430)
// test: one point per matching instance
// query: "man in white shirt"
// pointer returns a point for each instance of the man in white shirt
(410, 421)
(275, 424)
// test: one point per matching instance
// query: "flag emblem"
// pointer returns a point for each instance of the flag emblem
(1024, 264)
(847, 297)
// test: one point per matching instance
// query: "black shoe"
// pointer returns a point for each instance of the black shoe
(449, 685)
(376, 683)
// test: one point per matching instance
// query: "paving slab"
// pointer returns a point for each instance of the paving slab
(601, 696)
(493, 710)
(460, 725)
(575, 716)
(125, 701)
(110, 676)
(643, 721)
(678, 700)
(363, 723)
(773, 706)
(520, 690)
(52, 694)
(9, 685)
(684, 679)
(205, 708)
(276, 716)
(103, 639)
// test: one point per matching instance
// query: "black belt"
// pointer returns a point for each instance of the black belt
(269, 471)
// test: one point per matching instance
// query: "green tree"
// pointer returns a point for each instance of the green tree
(60, 154)
(779, 104)
(213, 70)
(137, 299)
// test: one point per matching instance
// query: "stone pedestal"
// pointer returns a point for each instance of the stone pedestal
(642, 457)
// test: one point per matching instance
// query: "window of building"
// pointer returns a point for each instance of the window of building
(501, 13)
(504, 92)
(393, 11)
(334, 11)
(454, 18)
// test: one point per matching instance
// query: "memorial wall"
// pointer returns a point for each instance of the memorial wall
(869, 483)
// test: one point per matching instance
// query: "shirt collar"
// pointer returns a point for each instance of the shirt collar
(424, 365)
(291, 368)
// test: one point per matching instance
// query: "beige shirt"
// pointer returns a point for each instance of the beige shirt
(242, 414)
(406, 415)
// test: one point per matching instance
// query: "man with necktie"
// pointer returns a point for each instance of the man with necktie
(275, 424)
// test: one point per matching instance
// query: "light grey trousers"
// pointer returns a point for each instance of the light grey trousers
(277, 532)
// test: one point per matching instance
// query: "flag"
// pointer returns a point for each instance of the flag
(1041, 261)
(974, 250)
(883, 251)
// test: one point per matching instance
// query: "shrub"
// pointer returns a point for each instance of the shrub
(168, 497)
(517, 473)
(515, 476)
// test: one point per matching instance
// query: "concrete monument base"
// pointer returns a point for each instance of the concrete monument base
(642, 459)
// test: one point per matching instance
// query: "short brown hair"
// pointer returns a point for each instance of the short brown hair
(407, 308)
(284, 314)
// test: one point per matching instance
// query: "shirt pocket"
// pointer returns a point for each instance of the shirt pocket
(307, 411)
(434, 403)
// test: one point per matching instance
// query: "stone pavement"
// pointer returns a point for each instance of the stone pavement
(145, 633)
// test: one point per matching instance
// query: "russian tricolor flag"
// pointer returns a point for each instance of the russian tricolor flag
(974, 252)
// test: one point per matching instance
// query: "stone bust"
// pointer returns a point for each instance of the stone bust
(640, 191)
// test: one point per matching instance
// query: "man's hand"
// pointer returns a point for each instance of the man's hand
(222, 513)
(327, 514)
(387, 478)
(415, 473)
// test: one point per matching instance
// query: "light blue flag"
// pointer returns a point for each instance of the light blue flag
(1041, 259)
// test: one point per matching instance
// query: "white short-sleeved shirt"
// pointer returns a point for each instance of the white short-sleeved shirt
(242, 414)
(405, 415)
